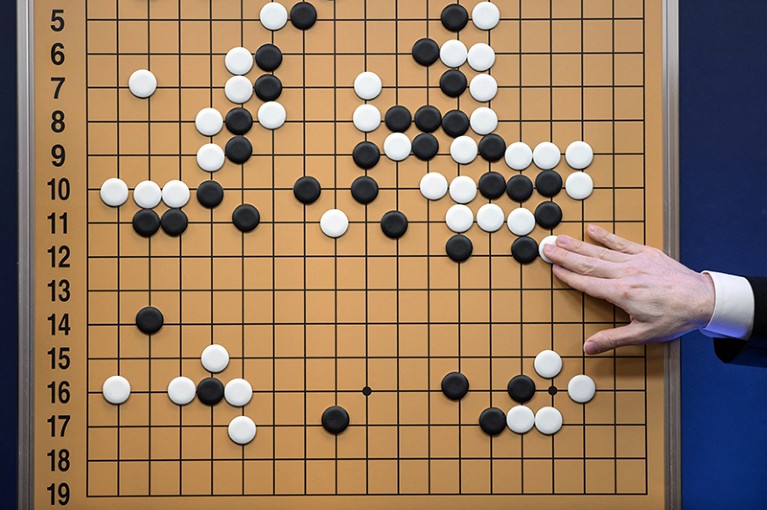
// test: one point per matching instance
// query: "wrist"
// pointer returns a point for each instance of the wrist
(706, 302)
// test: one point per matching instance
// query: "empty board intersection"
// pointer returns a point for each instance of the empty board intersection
(296, 252)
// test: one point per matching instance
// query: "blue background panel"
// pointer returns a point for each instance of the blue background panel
(723, 228)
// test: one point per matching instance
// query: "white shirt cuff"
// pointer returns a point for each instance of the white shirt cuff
(734, 308)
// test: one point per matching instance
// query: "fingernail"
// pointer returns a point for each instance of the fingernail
(592, 228)
(548, 249)
(563, 240)
(590, 348)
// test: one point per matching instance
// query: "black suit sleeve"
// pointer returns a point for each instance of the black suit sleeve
(754, 350)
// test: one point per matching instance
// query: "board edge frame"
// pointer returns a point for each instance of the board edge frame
(25, 173)
(672, 350)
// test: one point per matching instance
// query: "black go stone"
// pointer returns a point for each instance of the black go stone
(146, 222)
(366, 155)
(210, 194)
(174, 222)
(425, 51)
(238, 121)
(455, 123)
(268, 87)
(492, 421)
(548, 215)
(524, 250)
(303, 15)
(519, 188)
(455, 385)
(454, 17)
(492, 185)
(492, 147)
(459, 248)
(453, 82)
(428, 119)
(210, 391)
(394, 224)
(364, 189)
(521, 388)
(246, 218)
(268, 57)
(149, 320)
(548, 183)
(425, 146)
(398, 119)
(307, 189)
(238, 149)
(335, 419)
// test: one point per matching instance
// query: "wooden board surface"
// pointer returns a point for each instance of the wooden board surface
(308, 320)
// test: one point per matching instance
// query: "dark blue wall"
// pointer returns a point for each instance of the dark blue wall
(8, 298)
(723, 226)
(8, 217)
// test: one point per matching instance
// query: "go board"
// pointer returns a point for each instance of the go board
(289, 254)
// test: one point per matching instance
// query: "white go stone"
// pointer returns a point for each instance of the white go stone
(238, 392)
(242, 430)
(367, 85)
(273, 16)
(542, 246)
(459, 218)
(209, 122)
(272, 115)
(548, 420)
(453, 53)
(397, 146)
(483, 120)
(175, 194)
(214, 358)
(520, 419)
(142, 83)
(481, 57)
(579, 155)
(485, 15)
(490, 217)
(581, 388)
(521, 221)
(238, 89)
(546, 155)
(463, 189)
(114, 192)
(239, 61)
(433, 186)
(519, 155)
(463, 150)
(334, 223)
(483, 88)
(579, 185)
(210, 157)
(367, 118)
(116, 389)
(147, 194)
(548, 364)
(181, 390)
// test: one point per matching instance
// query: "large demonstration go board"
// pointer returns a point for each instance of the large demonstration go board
(256, 284)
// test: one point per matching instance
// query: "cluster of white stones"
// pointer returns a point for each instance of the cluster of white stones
(147, 194)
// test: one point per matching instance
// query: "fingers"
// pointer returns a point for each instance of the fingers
(591, 285)
(614, 242)
(582, 264)
(609, 339)
(590, 250)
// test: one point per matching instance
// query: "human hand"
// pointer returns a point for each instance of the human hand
(663, 298)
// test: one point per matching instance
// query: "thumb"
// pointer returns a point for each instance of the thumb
(608, 339)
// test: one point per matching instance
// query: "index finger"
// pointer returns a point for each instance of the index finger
(614, 242)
